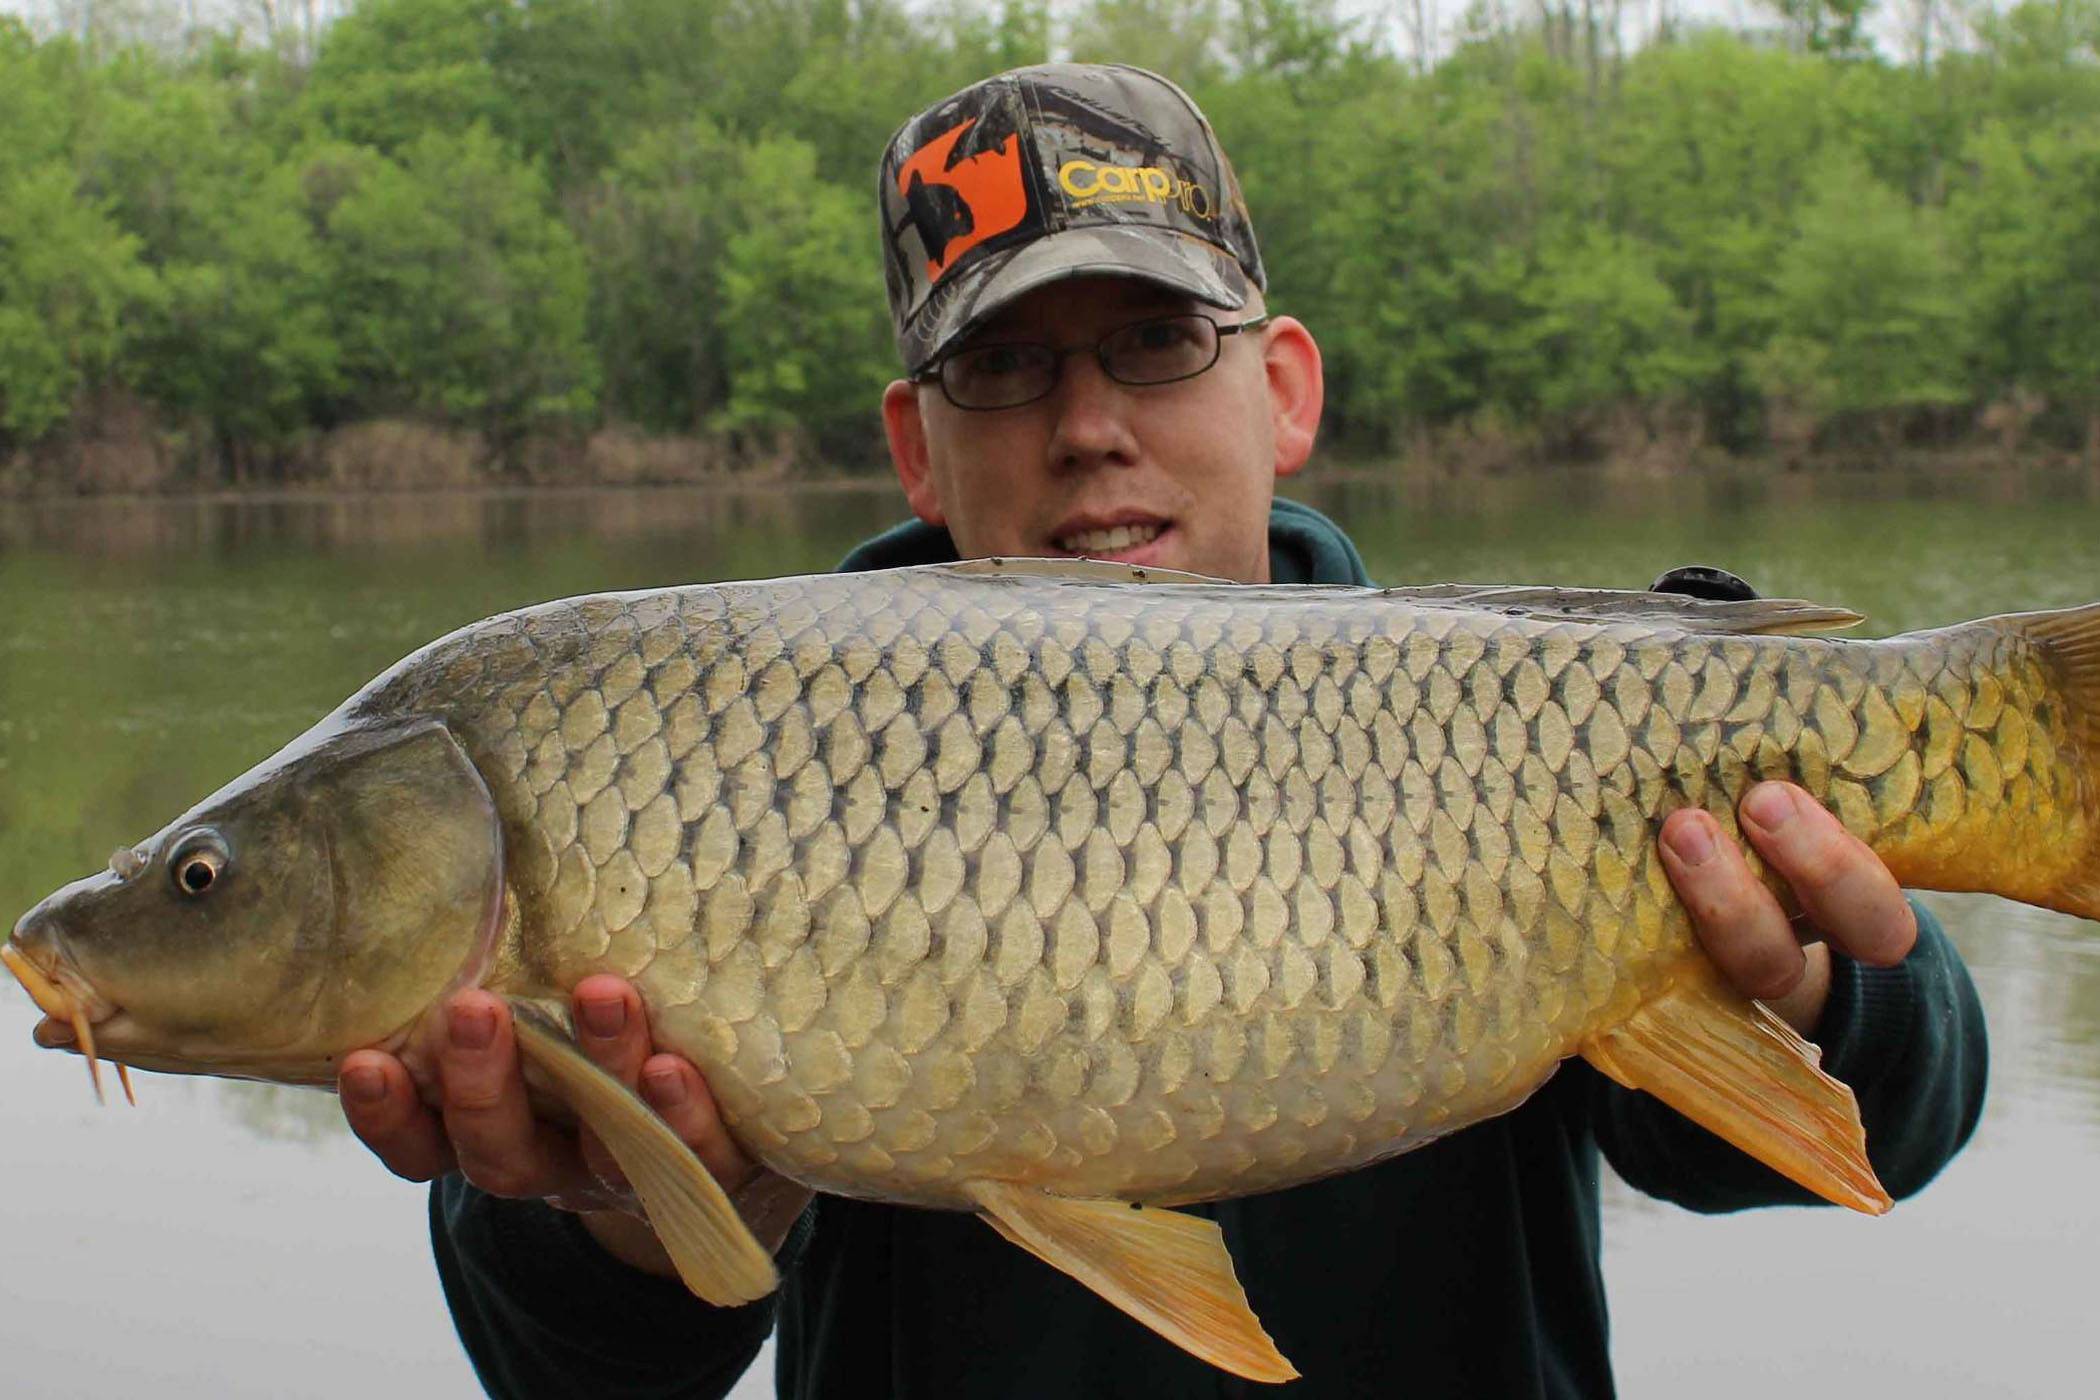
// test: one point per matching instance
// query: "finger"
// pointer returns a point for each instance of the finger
(612, 1026)
(1737, 920)
(500, 1146)
(675, 1089)
(1844, 888)
(381, 1104)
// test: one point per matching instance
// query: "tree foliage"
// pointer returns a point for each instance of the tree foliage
(514, 215)
(451, 280)
(68, 279)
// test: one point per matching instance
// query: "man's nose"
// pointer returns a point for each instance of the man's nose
(1095, 423)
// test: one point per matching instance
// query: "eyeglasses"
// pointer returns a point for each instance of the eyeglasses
(1157, 351)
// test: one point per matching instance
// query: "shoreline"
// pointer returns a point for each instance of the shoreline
(1968, 460)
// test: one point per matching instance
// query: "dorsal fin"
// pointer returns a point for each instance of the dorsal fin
(1076, 571)
(1776, 616)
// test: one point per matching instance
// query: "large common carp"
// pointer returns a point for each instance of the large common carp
(1045, 891)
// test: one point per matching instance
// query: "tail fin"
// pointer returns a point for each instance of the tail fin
(2069, 642)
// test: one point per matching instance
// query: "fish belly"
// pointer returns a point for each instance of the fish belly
(1156, 893)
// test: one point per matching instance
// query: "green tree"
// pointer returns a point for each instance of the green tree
(1867, 317)
(239, 340)
(70, 279)
(242, 337)
(2041, 60)
(2028, 224)
(1608, 332)
(1284, 41)
(1185, 39)
(1422, 226)
(656, 232)
(392, 70)
(480, 210)
(456, 292)
(1836, 27)
(1703, 163)
(45, 89)
(806, 344)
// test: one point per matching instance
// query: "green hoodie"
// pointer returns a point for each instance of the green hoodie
(1467, 1269)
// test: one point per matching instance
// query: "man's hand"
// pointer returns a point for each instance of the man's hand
(473, 1117)
(1849, 900)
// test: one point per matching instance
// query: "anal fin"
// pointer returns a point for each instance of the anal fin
(717, 1256)
(1731, 1066)
(1168, 1270)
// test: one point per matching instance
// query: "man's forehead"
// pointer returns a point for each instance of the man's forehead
(1084, 300)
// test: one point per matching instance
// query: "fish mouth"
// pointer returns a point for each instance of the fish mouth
(72, 1009)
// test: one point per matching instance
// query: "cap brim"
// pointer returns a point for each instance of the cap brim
(1151, 254)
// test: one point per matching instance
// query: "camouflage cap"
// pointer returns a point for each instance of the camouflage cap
(1061, 170)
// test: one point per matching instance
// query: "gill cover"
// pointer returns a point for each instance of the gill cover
(416, 852)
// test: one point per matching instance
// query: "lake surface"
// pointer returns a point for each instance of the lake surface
(232, 1240)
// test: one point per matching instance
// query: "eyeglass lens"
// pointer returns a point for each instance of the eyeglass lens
(1157, 351)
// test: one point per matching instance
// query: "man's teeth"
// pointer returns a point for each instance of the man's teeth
(1107, 541)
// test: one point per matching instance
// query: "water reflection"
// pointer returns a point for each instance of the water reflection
(495, 522)
(2039, 976)
(151, 649)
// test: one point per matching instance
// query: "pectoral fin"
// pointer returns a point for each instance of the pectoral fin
(715, 1252)
(1168, 1270)
(1731, 1066)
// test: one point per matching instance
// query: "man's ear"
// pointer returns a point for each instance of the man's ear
(906, 430)
(1297, 391)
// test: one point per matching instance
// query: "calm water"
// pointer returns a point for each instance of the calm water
(229, 1240)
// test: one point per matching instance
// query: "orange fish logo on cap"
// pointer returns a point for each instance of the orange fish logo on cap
(957, 209)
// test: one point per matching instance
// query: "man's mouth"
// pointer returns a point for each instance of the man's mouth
(1107, 540)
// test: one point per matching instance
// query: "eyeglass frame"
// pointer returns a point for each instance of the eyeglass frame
(1060, 353)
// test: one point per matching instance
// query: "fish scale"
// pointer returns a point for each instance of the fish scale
(1153, 893)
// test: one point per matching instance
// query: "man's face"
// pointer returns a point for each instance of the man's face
(1173, 475)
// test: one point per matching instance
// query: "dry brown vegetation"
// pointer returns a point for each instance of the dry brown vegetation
(126, 450)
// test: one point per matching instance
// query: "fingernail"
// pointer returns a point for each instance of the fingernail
(1693, 840)
(363, 1084)
(665, 1088)
(1769, 805)
(603, 1017)
(473, 1027)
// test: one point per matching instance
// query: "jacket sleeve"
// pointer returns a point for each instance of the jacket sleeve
(544, 1312)
(1909, 1040)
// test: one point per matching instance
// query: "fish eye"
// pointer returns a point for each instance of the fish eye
(196, 862)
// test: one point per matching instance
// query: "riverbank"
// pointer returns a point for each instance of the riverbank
(131, 455)
(130, 452)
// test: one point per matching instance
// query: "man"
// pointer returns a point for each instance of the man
(1092, 370)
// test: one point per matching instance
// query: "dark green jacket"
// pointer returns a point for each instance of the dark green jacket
(1467, 1269)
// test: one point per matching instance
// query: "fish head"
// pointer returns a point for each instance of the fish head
(315, 906)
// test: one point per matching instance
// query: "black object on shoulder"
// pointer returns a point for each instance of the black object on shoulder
(1703, 581)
